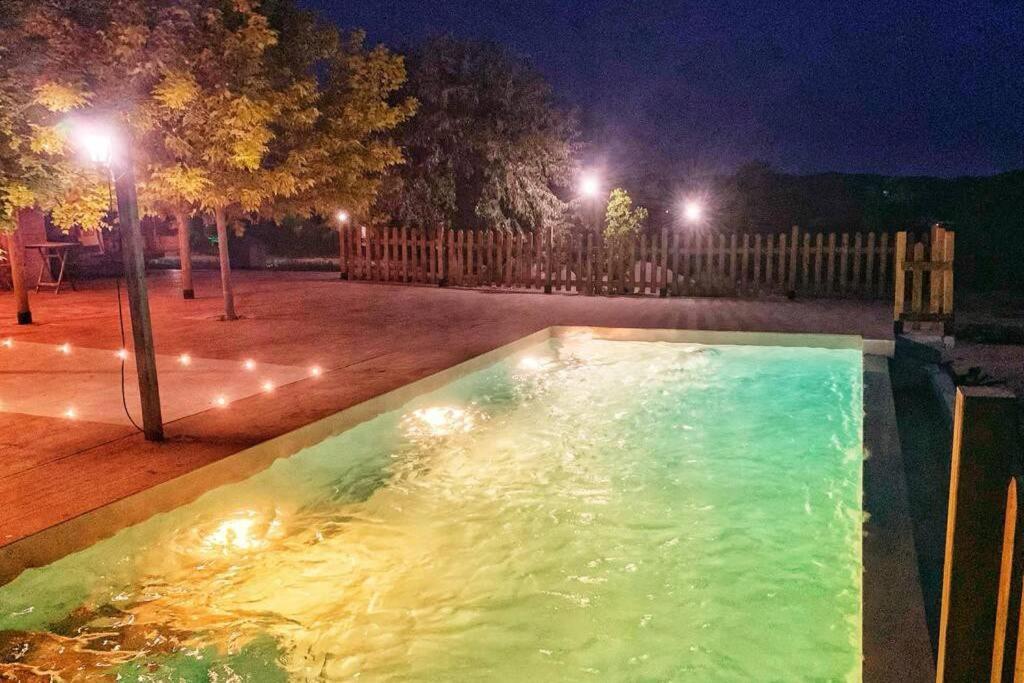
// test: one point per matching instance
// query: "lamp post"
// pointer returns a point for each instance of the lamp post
(99, 147)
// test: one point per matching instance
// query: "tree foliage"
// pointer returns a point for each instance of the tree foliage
(487, 148)
(622, 221)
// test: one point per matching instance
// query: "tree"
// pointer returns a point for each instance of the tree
(622, 221)
(487, 147)
(336, 159)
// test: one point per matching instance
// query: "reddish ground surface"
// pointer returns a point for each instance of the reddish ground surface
(368, 338)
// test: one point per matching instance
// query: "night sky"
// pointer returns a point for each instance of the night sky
(880, 86)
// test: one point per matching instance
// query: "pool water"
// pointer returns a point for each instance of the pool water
(582, 510)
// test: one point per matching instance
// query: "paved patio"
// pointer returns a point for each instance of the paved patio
(366, 338)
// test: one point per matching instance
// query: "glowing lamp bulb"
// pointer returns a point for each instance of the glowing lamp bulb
(590, 186)
(185, 359)
(693, 211)
(343, 216)
(7, 343)
(97, 146)
(268, 386)
(249, 364)
(122, 353)
(70, 413)
(64, 348)
(315, 371)
(220, 401)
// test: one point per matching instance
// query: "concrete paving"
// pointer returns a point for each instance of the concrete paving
(367, 338)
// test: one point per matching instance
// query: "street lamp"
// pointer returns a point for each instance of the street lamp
(342, 217)
(98, 144)
(590, 186)
(693, 210)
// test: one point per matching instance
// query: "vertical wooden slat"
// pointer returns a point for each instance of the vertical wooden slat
(917, 282)
(817, 262)
(769, 251)
(805, 269)
(643, 264)
(869, 266)
(935, 276)
(830, 279)
(663, 276)
(732, 264)
(855, 277)
(844, 253)
(947, 275)
(794, 245)
(672, 274)
(756, 282)
(883, 264)
(744, 262)
(783, 253)
(899, 275)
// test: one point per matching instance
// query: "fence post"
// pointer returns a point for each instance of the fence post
(982, 465)
(898, 277)
(550, 237)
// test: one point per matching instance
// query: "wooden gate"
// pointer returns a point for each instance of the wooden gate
(930, 280)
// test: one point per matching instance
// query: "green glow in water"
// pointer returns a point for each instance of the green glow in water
(585, 510)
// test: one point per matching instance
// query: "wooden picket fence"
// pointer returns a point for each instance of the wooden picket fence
(930, 280)
(677, 264)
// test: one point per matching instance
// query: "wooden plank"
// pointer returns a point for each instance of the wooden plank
(934, 278)
(883, 264)
(756, 283)
(769, 251)
(805, 269)
(984, 444)
(684, 263)
(818, 255)
(663, 276)
(783, 253)
(844, 254)
(856, 256)
(869, 266)
(744, 258)
(673, 266)
(899, 275)
(723, 262)
(403, 245)
(917, 281)
(794, 245)
(830, 279)
(643, 264)
(947, 275)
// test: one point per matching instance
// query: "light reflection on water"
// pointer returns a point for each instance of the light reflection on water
(609, 509)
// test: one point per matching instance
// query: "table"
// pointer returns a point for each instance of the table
(52, 252)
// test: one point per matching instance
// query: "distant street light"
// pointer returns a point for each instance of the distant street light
(693, 211)
(590, 186)
(98, 144)
(343, 216)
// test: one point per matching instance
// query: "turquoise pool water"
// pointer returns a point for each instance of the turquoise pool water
(583, 510)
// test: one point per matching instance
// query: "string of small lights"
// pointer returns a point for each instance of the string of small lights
(185, 359)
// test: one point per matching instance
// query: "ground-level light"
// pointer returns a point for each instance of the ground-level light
(7, 343)
(64, 348)
(249, 364)
(268, 386)
(122, 353)
(315, 371)
(220, 401)
(185, 359)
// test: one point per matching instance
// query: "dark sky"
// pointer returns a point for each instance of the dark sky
(887, 86)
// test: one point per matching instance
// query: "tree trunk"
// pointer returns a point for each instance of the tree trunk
(16, 254)
(185, 254)
(225, 264)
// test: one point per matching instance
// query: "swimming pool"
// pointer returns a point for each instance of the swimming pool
(581, 509)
